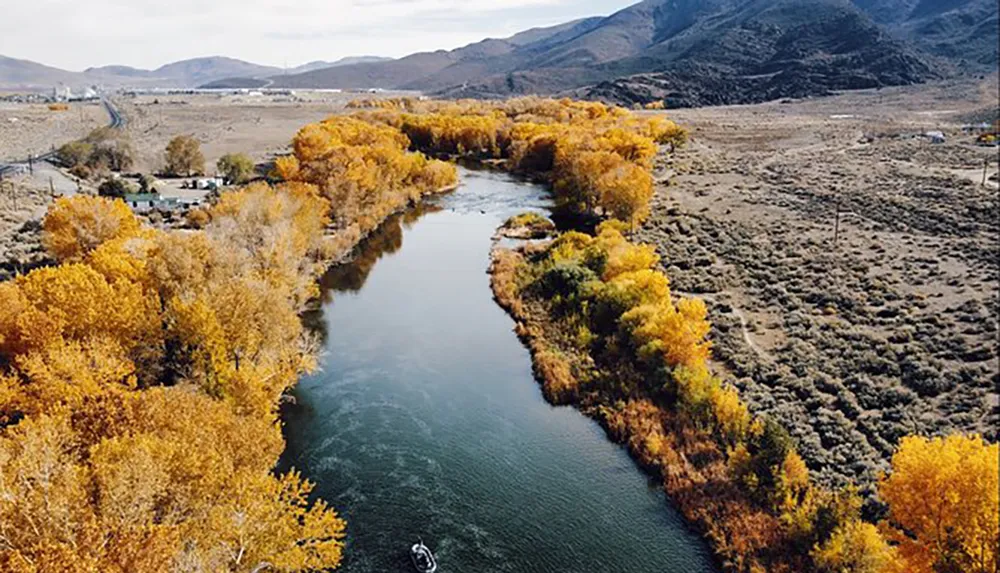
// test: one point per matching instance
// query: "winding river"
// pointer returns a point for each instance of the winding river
(425, 419)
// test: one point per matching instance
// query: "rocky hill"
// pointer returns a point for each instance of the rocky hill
(686, 52)
(696, 52)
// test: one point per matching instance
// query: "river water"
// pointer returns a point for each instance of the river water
(425, 419)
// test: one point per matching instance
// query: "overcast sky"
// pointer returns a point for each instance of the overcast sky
(148, 33)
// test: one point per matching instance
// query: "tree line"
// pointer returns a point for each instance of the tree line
(735, 474)
(598, 158)
(139, 380)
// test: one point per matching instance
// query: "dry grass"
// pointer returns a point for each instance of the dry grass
(889, 331)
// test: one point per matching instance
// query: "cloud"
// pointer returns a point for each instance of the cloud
(148, 33)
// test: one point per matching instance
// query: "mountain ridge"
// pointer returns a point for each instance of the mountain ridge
(686, 52)
(189, 73)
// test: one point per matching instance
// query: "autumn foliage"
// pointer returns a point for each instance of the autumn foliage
(138, 390)
(598, 158)
(363, 169)
(606, 332)
(944, 510)
(76, 226)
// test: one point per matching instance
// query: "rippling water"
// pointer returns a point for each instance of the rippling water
(425, 420)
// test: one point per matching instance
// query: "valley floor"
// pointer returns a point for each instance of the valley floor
(851, 337)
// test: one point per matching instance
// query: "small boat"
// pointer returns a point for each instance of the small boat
(423, 559)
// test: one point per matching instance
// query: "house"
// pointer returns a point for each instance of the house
(146, 202)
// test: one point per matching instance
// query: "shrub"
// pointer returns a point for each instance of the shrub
(566, 279)
(236, 168)
(115, 188)
(75, 153)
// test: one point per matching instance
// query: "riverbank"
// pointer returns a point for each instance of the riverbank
(424, 419)
(688, 462)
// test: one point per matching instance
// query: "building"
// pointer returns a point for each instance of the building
(146, 202)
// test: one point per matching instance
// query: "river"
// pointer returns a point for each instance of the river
(425, 419)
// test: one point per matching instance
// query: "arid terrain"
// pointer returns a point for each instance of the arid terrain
(259, 126)
(34, 128)
(850, 338)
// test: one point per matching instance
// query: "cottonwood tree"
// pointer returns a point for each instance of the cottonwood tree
(184, 156)
(75, 226)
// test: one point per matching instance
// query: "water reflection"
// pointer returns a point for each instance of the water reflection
(386, 240)
(351, 276)
(425, 420)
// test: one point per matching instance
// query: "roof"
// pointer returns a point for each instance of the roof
(135, 197)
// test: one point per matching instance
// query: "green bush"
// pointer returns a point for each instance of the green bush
(566, 279)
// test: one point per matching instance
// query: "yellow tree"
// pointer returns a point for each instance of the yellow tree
(857, 547)
(943, 503)
(75, 226)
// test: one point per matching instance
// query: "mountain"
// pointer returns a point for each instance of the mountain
(183, 74)
(690, 52)
(428, 69)
(25, 74)
(687, 52)
(767, 50)
(964, 31)
(200, 70)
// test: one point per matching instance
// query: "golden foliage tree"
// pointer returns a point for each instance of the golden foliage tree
(857, 547)
(102, 468)
(943, 503)
(75, 226)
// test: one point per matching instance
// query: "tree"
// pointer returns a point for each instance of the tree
(236, 167)
(75, 226)
(116, 154)
(115, 188)
(75, 153)
(943, 503)
(184, 157)
(856, 547)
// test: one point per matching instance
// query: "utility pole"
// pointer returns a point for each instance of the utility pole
(836, 228)
(31, 164)
(986, 164)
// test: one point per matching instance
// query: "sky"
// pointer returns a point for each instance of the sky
(75, 35)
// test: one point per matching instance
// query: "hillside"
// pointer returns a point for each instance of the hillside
(691, 52)
(687, 52)
(438, 69)
(770, 50)
(964, 31)
(195, 72)
(15, 73)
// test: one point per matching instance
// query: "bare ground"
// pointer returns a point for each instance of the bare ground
(890, 329)
(260, 126)
(33, 128)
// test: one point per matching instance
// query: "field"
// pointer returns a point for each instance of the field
(34, 128)
(850, 337)
(259, 126)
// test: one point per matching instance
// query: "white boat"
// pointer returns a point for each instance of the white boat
(423, 559)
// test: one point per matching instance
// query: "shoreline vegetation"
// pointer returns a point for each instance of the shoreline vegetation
(606, 336)
(140, 378)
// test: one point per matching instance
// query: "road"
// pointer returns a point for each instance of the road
(115, 121)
